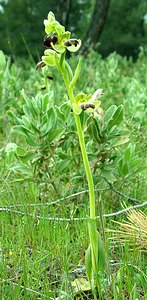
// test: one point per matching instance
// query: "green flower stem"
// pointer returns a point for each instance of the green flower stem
(86, 165)
(83, 150)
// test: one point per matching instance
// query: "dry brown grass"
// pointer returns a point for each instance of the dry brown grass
(133, 231)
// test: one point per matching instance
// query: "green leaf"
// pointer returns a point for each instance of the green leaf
(55, 134)
(60, 113)
(26, 156)
(45, 102)
(26, 122)
(76, 74)
(109, 113)
(30, 107)
(31, 141)
(29, 125)
(93, 129)
(139, 170)
(134, 163)
(68, 71)
(117, 117)
(20, 151)
(34, 128)
(63, 112)
(63, 165)
(2, 61)
(113, 132)
(101, 254)
(30, 110)
(14, 119)
(93, 243)
(88, 263)
(130, 152)
(97, 248)
(48, 121)
(21, 130)
(125, 169)
(23, 169)
(120, 141)
(62, 60)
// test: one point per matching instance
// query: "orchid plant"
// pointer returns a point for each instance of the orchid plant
(58, 41)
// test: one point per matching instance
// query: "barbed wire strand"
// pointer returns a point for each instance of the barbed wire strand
(72, 219)
(53, 202)
(118, 192)
(72, 196)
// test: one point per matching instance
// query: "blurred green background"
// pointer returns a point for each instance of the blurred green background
(124, 26)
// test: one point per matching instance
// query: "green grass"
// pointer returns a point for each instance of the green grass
(40, 258)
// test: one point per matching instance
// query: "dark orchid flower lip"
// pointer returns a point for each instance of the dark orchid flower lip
(86, 105)
(40, 65)
(71, 42)
(50, 38)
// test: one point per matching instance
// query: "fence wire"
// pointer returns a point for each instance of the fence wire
(71, 219)
(12, 208)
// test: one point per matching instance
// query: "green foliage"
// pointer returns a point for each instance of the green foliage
(31, 156)
(107, 135)
(103, 126)
(43, 129)
(129, 164)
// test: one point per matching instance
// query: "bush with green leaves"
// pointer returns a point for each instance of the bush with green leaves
(10, 82)
(42, 126)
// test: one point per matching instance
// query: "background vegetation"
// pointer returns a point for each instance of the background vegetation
(125, 29)
(43, 238)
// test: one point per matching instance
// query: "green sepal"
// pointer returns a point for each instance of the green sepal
(82, 97)
(76, 108)
(50, 57)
